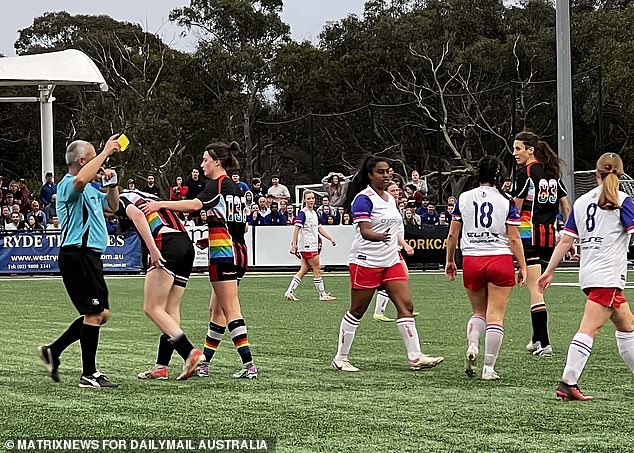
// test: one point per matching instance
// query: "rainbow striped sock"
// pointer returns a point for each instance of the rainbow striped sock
(214, 336)
(238, 333)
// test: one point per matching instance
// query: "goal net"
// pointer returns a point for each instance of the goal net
(587, 180)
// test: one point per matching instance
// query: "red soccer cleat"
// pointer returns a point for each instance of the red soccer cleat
(571, 392)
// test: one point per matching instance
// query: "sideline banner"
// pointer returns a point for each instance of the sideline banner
(429, 243)
(28, 252)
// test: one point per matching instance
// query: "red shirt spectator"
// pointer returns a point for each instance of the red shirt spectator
(179, 191)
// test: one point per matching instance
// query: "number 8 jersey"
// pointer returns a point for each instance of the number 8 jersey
(541, 197)
(484, 213)
(603, 239)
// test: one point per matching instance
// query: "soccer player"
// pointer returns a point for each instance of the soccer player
(306, 242)
(171, 260)
(488, 221)
(539, 195)
(226, 219)
(381, 295)
(80, 208)
(601, 220)
(375, 262)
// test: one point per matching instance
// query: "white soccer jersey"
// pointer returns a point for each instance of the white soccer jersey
(484, 213)
(383, 215)
(308, 220)
(603, 237)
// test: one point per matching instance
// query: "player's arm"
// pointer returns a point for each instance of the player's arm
(564, 207)
(325, 234)
(88, 171)
(452, 243)
(365, 228)
(178, 205)
(143, 228)
(558, 254)
(295, 239)
(515, 243)
(112, 199)
(405, 246)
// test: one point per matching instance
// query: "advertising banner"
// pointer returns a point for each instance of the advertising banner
(29, 252)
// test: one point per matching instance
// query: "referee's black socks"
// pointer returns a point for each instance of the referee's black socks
(72, 334)
(89, 341)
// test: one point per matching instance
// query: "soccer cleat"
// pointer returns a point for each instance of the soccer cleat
(532, 347)
(490, 375)
(158, 373)
(382, 318)
(424, 361)
(544, 352)
(190, 365)
(571, 393)
(326, 296)
(290, 295)
(415, 313)
(51, 363)
(247, 372)
(343, 365)
(96, 380)
(470, 360)
(203, 369)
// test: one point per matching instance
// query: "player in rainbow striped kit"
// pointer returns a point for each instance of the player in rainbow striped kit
(171, 261)
(225, 206)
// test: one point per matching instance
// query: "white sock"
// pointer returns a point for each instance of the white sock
(381, 302)
(492, 342)
(347, 330)
(475, 328)
(625, 345)
(294, 283)
(407, 329)
(319, 285)
(578, 353)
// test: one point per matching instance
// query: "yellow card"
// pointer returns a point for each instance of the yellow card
(123, 141)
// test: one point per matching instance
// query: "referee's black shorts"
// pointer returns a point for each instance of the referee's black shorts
(82, 272)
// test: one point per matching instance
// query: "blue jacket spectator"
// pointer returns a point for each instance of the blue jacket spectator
(275, 217)
(255, 218)
(428, 216)
(235, 177)
(47, 190)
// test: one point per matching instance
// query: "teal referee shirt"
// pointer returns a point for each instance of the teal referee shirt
(81, 216)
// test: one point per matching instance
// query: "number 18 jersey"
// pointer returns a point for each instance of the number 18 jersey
(484, 213)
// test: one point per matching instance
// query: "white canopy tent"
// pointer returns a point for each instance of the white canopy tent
(46, 71)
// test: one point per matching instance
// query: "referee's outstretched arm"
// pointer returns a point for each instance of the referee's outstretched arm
(88, 171)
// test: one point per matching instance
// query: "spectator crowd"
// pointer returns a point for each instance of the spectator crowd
(271, 204)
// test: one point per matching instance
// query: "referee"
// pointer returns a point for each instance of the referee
(80, 208)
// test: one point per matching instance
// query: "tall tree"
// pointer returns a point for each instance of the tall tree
(239, 38)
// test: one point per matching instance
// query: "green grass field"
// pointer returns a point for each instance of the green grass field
(298, 399)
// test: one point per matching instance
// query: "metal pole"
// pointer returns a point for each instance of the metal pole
(438, 150)
(46, 113)
(564, 96)
(312, 144)
(600, 107)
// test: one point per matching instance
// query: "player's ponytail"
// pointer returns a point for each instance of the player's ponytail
(225, 154)
(543, 153)
(609, 170)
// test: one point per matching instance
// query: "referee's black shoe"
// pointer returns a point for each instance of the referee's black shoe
(50, 361)
(96, 381)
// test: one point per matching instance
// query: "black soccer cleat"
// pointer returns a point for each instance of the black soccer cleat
(96, 381)
(50, 361)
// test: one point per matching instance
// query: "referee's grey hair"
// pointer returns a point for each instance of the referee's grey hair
(76, 150)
